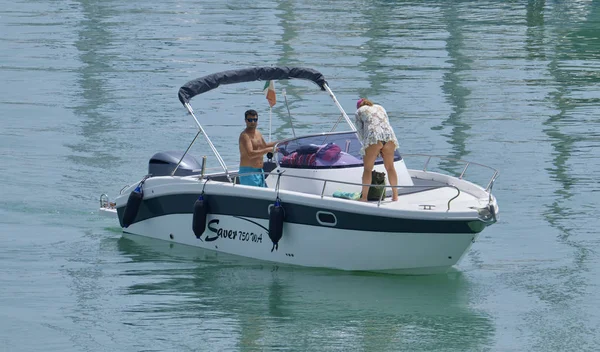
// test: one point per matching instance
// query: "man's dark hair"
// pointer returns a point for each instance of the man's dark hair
(250, 112)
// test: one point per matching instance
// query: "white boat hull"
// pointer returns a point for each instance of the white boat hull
(311, 246)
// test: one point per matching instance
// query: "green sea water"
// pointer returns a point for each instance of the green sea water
(88, 92)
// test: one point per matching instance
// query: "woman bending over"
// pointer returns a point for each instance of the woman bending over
(377, 137)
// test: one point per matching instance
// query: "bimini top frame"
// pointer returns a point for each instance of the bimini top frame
(210, 82)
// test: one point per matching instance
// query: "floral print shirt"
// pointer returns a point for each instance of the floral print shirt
(373, 125)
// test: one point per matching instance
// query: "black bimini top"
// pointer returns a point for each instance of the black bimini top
(206, 83)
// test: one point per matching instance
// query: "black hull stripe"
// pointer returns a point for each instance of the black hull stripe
(297, 214)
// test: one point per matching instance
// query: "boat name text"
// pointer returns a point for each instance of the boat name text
(240, 235)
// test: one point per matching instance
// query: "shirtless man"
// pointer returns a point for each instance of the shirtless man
(252, 149)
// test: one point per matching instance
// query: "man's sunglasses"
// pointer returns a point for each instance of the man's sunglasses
(252, 120)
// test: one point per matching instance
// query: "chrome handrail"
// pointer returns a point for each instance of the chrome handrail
(491, 183)
(104, 200)
(467, 163)
(349, 183)
(124, 188)
(488, 188)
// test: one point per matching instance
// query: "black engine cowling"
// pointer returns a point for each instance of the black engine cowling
(163, 164)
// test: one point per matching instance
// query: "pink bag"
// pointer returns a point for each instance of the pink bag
(329, 153)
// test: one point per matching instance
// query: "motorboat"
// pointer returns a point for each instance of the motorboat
(307, 215)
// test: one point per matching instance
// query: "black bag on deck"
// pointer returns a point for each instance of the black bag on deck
(378, 186)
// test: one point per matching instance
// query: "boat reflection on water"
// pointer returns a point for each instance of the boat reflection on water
(256, 303)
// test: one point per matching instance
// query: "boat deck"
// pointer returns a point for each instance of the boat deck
(425, 194)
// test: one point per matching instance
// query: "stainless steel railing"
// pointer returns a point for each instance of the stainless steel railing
(490, 183)
(417, 189)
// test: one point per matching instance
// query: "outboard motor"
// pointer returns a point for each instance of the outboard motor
(276, 218)
(163, 164)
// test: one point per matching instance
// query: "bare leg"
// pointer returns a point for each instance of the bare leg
(388, 161)
(371, 153)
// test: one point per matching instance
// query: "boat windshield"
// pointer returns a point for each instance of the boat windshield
(331, 150)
